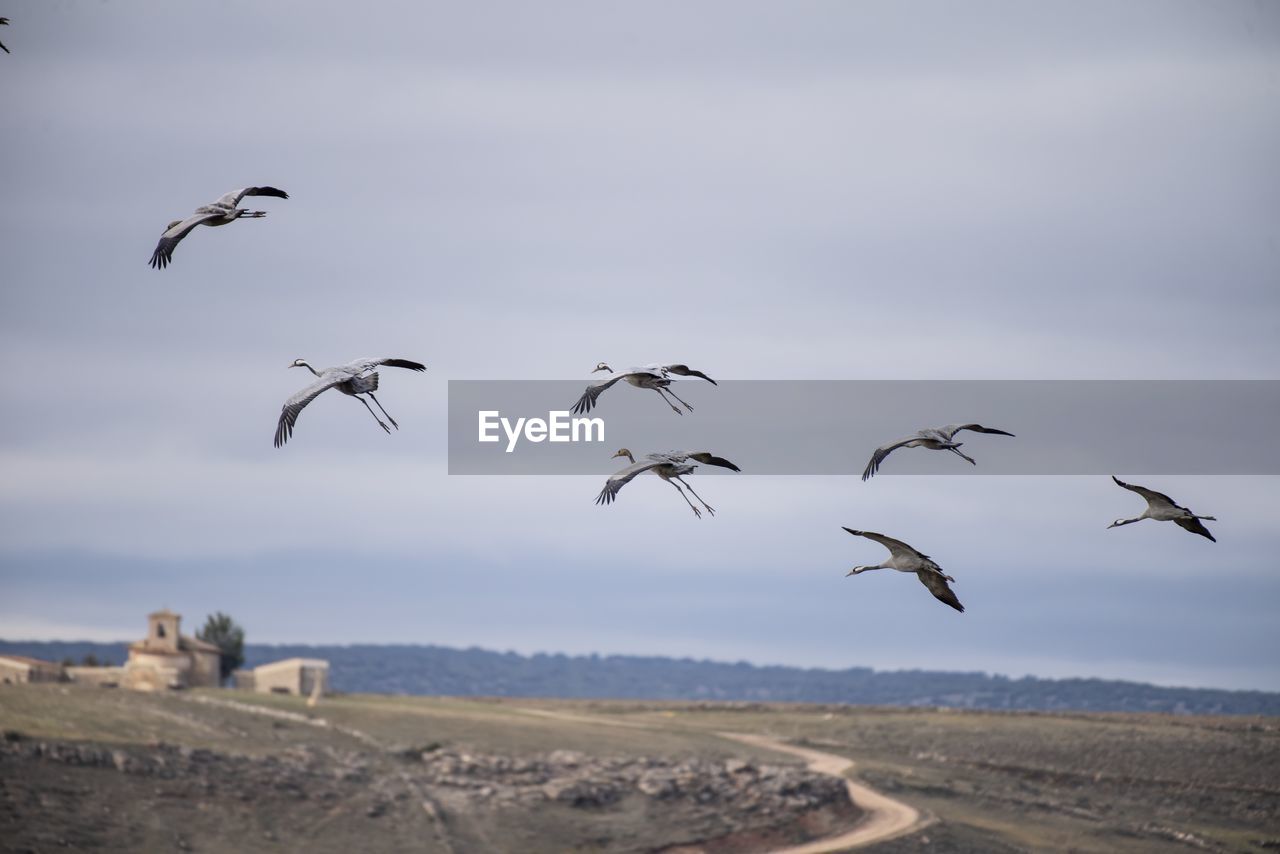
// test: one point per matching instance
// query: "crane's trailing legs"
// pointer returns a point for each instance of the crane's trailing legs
(696, 511)
(696, 495)
(677, 397)
(674, 408)
(955, 449)
(384, 412)
(371, 412)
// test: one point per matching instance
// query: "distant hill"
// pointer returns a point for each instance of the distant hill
(401, 669)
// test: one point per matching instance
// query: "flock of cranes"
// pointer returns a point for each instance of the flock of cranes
(672, 466)
(360, 379)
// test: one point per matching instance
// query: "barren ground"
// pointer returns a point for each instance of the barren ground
(104, 770)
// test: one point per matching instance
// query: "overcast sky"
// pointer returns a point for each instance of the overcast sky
(518, 191)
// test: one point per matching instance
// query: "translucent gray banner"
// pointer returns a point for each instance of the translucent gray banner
(832, 427)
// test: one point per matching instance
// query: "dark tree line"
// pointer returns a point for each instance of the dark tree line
(476, 672)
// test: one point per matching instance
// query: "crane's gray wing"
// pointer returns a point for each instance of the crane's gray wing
(1194, 525)
(1151, 495)
(686, 371)
(173, 236)
(620, 479)
(888, 542)
(877, 457)
(708, 458)
(941, 591)
(233, 198)
(588, 399)
(294, 405)
(952, 429)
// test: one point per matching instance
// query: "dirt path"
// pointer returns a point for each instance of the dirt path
(883, 817)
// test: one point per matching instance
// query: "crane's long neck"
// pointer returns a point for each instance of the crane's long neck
(867, 568)
(631, 458)
(309, 368)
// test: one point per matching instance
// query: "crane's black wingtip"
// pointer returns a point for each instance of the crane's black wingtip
(1201, 530)
(851, 531)
(408, 364)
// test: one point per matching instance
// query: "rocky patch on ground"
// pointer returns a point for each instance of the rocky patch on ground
(585, 782)
(566, 777)
(448, 786)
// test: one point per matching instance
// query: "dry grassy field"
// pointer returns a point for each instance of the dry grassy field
(98, 769)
